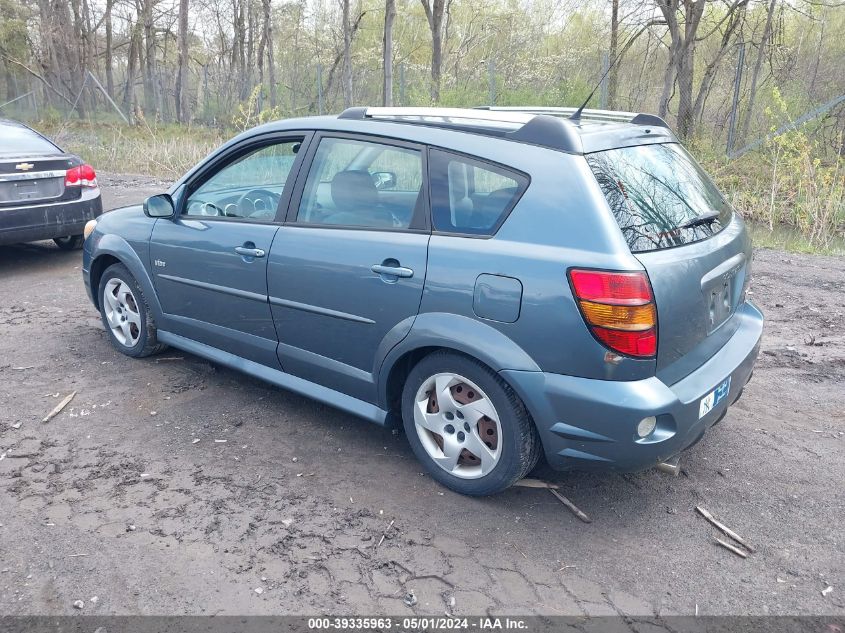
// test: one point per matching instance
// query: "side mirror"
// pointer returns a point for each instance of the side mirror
(384, 180)
(160, 206)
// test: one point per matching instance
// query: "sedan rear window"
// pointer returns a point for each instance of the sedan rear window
(16, 141)
(659, 195)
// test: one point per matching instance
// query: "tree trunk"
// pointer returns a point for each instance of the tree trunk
(387, 52)
(131, 64)
(150, 75)
(758, 64)
(268, 39)
(434, 14)
(347, 57)
(182, 73)
(109, 62)
(613, 75)
(238, 48)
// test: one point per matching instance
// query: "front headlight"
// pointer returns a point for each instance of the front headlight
(90, 225)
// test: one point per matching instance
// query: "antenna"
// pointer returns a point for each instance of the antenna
(576, 116)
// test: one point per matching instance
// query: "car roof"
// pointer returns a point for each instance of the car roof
(563, 129)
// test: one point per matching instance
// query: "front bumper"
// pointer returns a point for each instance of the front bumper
(588, 424)
(46, 221)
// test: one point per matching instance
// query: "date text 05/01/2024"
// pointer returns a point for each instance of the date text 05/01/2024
(441, 623)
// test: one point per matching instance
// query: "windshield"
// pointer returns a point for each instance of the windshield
(659, 195)
(17, 141)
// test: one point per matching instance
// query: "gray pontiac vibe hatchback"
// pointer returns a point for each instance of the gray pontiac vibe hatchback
(505, 283)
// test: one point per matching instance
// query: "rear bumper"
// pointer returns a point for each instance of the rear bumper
(46, 221)
(588, 424)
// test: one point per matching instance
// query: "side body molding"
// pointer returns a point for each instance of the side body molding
(462, 334)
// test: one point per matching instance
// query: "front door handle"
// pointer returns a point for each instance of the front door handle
(243, 251)
(394, 271)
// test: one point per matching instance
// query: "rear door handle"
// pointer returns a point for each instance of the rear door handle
(243, 251)
(394, 271)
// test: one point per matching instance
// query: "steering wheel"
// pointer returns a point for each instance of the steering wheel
(208, 209)
(268, 199)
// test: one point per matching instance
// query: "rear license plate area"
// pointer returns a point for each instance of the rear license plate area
(709, 402)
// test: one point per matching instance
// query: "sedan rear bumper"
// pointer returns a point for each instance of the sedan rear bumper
(46, 221)
(588, 424)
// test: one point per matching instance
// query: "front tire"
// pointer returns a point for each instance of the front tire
(126, 315)
(467, 426)
(69, 242)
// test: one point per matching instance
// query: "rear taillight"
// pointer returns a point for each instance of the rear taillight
(81, 176)
(619, 309)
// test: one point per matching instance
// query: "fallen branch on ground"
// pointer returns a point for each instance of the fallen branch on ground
(59, 408)
(724, 528)
(575, 509)
(730, 547)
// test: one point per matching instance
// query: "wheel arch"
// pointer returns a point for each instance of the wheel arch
(115, 250)
(443, 331)
(98, 267)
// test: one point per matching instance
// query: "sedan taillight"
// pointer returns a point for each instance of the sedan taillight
(81, 176)
(619, 309)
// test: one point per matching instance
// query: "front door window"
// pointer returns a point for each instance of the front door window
(250, 187)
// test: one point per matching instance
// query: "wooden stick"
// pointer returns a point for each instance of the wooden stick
(384, 534)
(576, 511)
(735, 550)
(58, 408)
(535, 483)
(724, 528)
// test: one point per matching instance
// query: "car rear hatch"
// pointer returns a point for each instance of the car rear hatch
(30, 180)
(694, 248)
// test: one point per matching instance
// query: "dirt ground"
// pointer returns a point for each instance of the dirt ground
(171, 486)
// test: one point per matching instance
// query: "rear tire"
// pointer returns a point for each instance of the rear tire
(126, 315)
(454, 407)
(69, 242)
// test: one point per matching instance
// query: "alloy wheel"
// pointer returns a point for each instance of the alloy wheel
(122, 314)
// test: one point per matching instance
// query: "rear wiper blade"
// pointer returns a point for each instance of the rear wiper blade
(707, 218)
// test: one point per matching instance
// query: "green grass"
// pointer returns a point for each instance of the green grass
(164, 151)
(788, 238)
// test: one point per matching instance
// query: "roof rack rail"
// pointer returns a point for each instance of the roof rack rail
(594, 115)
(527, 127)
(434, 115)
(544, 126)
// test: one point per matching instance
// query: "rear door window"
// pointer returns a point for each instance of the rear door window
(358, 183)
(659, 196)
(471, 196)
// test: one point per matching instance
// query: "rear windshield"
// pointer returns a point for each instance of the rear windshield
(16, 141)
(660, 196)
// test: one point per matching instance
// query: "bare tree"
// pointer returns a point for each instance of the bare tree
(387, 52)
(347, 56)
(613, 75)
(109, 52)
(434, 12)
(151, 92)
(683, 19)
(267, 38)
(758, 64)
(181, 92)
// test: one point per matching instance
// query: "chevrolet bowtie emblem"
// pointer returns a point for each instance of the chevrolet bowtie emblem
(24, 166)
